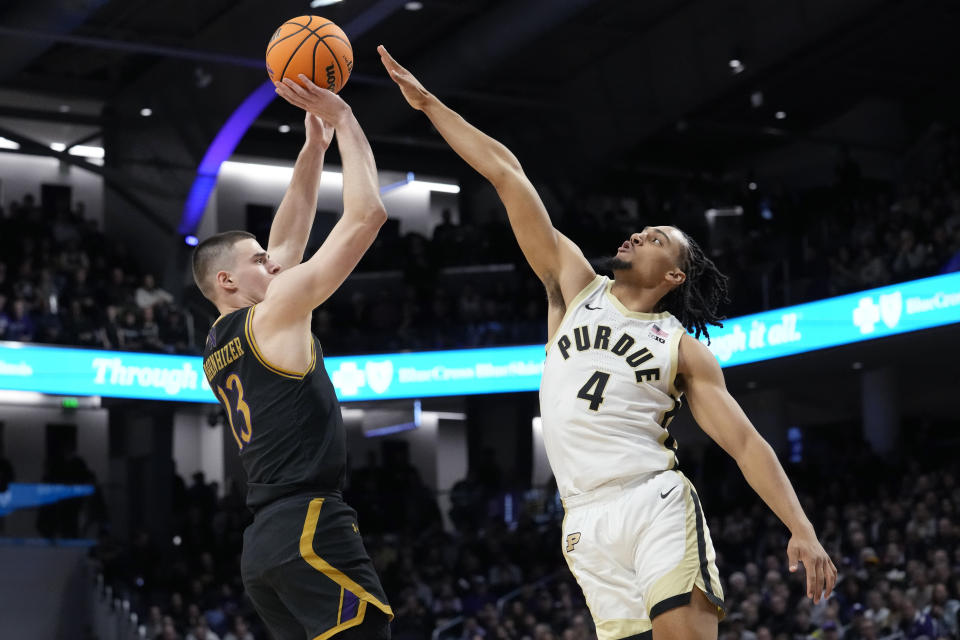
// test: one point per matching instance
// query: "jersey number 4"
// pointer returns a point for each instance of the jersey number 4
(238, 408)
(592, 391)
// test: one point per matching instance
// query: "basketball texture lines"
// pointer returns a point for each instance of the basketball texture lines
(313, 46)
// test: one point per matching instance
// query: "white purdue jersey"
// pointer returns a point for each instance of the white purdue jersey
(608, 394)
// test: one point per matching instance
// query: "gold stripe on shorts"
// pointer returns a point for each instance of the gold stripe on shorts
(695, 569)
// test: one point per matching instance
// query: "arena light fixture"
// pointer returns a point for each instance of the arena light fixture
(254, 170)
(323, 3)
(413, 6)
(191, 241)
(80, 150)
(780, 115)
(146, 112)
(722, 212)
(736, 65)
(8, 144)
(442, 187)
(284, 128)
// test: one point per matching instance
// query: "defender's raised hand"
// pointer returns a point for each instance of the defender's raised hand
(820, 570)
(412, 90)
(319, 101)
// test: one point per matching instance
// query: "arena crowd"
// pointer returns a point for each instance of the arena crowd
(891, 527)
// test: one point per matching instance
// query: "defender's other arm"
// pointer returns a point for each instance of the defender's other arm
(291, 224)
(555, 259)
(721, 417)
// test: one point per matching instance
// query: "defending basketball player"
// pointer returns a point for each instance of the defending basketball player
(618, 361)
(303, 563)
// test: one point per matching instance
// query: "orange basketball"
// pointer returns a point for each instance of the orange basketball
(313, 46)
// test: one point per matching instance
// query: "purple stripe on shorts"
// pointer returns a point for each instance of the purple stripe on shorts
(350, 604)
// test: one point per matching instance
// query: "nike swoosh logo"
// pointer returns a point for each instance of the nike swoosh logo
(593, 308)
(664, 495)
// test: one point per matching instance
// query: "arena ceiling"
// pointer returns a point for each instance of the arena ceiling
(590, 92)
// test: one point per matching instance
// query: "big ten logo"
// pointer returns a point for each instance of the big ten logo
(572, 541)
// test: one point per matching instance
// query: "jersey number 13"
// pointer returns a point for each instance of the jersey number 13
(237, 409)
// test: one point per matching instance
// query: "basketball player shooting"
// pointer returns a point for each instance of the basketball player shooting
(618, 362)
(303, 563)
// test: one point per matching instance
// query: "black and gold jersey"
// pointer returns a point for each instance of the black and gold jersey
(286, 424)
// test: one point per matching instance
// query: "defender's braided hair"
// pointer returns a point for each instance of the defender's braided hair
(695, 302)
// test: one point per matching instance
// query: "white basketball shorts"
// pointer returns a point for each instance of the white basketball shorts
(638, 549)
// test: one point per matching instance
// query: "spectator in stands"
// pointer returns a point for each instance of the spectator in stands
(174, 332)
(6, 288)
(150, 330)
(110, 332)
(168, 631)
(478, 596)
(910, 257)
(149, 295)
(201, 631)
(80, 328)
(4, 317)
(872, 271)
(915, 623)
(413, 620)
(130, 332)
(21, 325)
(117, 290)
(154, 622)
(240, 630)
(447, 605)
(504, 576)
(943, 610)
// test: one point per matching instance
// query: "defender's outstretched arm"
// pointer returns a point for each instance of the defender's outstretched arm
(721, 417)
(556, 260)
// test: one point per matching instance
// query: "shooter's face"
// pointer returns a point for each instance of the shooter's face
(253, 269)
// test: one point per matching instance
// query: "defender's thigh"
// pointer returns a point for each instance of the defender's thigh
(594, 548)
(694, 621)
(674, 553)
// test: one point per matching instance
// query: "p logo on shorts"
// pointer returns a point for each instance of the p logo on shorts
(572, 541)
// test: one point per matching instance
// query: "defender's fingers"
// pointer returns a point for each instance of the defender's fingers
(818, 578)
(388, 60)
(831, 578)
(385, 56)
(793, 558)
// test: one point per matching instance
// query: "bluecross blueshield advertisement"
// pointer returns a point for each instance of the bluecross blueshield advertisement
(876, 313)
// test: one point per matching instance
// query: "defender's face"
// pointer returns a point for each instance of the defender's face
(653, 252)
(253, 270)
